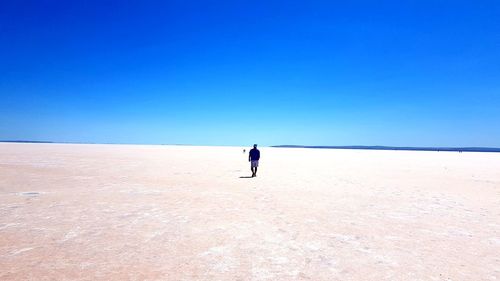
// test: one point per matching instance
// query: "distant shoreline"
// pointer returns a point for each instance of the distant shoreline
(26, 141)
(70, 142)
(360, 147)
(406, 148)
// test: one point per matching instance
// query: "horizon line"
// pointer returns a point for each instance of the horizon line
(357, 147)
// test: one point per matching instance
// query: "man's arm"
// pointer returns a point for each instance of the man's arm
(249, 156)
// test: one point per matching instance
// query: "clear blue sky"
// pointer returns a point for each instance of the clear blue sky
(404, 73)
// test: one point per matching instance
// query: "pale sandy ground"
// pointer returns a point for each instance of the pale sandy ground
(124, 212)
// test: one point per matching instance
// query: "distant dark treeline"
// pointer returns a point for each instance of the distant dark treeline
(459, 149)
(26, 141)
(367, 147)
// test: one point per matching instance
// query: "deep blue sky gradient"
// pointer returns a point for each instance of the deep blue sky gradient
(402, 73)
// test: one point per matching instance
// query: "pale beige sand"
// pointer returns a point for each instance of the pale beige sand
(124, 212)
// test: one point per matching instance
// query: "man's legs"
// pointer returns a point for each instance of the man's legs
(254, 165)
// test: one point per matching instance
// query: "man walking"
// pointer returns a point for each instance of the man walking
(253, 158)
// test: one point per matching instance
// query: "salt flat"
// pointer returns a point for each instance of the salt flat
(131, 212)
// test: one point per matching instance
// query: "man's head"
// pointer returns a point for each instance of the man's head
(254, 146)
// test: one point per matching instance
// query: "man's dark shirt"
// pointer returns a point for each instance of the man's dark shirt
(254, 154)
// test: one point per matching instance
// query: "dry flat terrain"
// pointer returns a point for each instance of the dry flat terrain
(130, 212)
